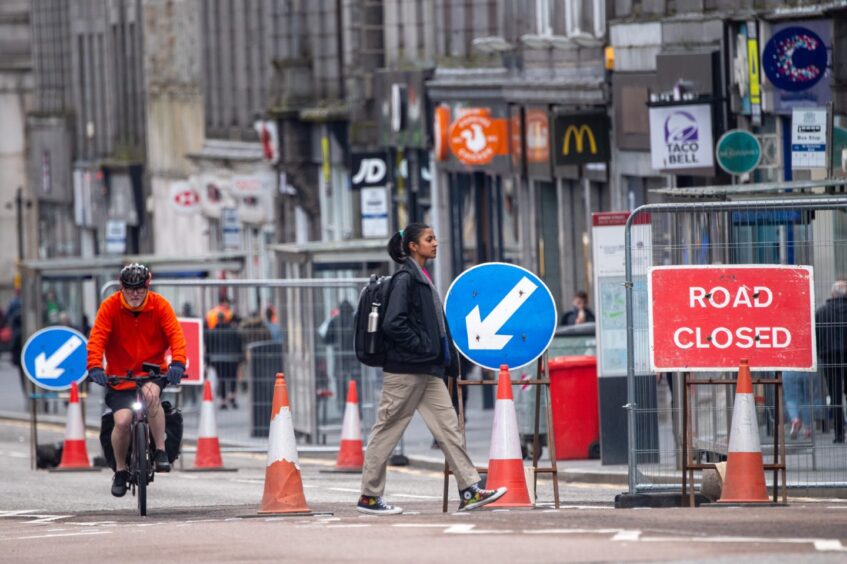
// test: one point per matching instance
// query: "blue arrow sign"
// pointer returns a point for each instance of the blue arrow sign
(55, 357)
(500, 314)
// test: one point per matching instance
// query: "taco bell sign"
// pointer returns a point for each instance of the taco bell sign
(681, 137)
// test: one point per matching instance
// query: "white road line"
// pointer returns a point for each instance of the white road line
(630, 535)
(574, 531)
(454, 528)
(633, 535)
(345, 490)
(415, 496)
(79, 534)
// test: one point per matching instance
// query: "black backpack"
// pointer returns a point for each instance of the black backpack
(367, 321)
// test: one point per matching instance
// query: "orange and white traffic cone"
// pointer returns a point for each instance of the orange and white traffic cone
(74, 452)
(208, 456)
(505, 464)
(745, 473)
(283, 483)
(350, 455)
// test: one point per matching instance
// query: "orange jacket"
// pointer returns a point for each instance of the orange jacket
(130, 338)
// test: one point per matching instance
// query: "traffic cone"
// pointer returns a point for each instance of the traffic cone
(283, 483)
(505, 465)
(350, 454)
(208, 456)
(745, 472)
(74, 453)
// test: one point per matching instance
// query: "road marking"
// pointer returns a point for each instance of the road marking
(416, 496)
(454, 528)
(31, 513)
(345, 490)
(631, 535)
(79, 534)
(627, 536)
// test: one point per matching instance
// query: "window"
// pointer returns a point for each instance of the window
(585, 18)
(543, 18)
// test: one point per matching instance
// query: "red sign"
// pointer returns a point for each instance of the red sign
(194, 368)
(708, 318)
(475, 138)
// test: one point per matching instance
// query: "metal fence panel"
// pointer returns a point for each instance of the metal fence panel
(309, 339)
(809, 231)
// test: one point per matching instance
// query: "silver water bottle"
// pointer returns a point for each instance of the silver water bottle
(373, 324)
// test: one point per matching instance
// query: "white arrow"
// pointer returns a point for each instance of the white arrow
(482, 335)
(48, 368)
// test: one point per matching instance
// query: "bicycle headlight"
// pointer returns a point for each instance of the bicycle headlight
(136, 405)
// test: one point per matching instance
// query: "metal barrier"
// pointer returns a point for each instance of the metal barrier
(802, 231)
(311, 342)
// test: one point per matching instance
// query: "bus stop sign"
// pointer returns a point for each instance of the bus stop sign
(500, 314)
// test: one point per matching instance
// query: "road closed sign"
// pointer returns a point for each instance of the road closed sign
(708, 318)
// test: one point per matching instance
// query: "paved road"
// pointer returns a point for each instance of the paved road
(211, 518)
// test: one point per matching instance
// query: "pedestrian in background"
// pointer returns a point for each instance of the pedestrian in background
(14, 318)
(419, 354)
(225, 352)
(579, 312)
(272, 323)
(831, 335)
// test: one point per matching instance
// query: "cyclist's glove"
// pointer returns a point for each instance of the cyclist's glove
(98, 376)
(175, 372)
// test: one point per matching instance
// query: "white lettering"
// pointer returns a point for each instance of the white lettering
(728, 337)
(742, 298)
(726, 297)
(757, 292)
(676, 338)
(696, 294)
(745, 338)
(370, 171)
(777, 343)
(724, 338)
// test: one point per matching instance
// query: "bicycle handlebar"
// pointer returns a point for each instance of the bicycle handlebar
(135, 379)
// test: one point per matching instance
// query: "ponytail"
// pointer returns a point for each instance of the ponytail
(395, 248)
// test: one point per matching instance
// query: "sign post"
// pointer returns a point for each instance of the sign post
(52, 358)
(502, 314)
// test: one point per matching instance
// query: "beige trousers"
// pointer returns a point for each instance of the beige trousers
(402, 394)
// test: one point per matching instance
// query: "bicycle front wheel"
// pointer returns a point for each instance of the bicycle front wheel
(140, 450)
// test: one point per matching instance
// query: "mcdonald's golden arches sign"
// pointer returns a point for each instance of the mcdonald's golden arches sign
(580, 139)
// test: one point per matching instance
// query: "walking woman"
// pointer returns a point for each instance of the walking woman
(419, 354)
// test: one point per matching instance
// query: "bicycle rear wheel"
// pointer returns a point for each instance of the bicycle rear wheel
(140, 453)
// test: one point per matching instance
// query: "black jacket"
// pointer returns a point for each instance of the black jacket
(412, 338)
(831, 331)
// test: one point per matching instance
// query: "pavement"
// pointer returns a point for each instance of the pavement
(417, 443)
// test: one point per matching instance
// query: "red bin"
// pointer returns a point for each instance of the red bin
(573, 394)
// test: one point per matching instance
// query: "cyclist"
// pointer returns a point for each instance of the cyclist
(134, 326)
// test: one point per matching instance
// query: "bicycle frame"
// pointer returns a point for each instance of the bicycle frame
(141, 468)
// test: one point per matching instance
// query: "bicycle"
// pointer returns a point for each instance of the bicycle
(142, 449)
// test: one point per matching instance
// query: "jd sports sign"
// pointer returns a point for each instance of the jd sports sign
(369, 169)
(580, 139)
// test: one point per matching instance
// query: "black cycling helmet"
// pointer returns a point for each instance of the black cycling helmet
(135, 276)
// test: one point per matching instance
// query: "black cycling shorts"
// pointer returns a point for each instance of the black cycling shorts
(123, 399)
